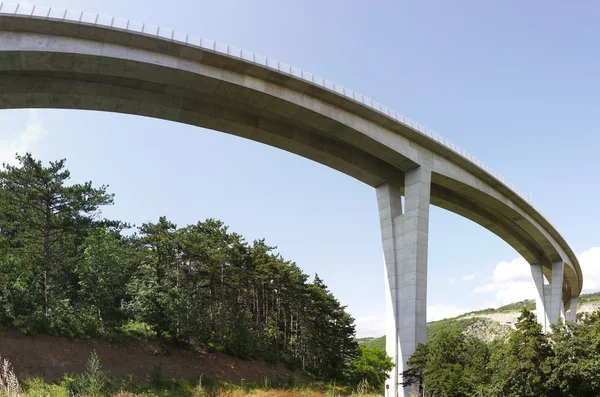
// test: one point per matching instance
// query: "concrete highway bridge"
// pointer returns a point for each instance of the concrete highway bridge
(57, 58)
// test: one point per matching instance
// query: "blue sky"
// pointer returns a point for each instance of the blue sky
(514, 83)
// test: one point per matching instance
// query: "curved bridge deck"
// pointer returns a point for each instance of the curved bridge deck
(57, 58)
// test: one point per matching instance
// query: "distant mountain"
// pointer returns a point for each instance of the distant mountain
(489, 324)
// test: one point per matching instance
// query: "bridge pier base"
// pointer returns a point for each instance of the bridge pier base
(549, 306)
(405, 235)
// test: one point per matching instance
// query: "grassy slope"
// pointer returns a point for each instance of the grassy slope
(470, 321)
(586, 298)
(178, 388)
(435, 327)
(528, 304)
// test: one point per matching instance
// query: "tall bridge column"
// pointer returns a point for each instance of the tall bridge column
(571, 315)
(549, 306)
(405, 235)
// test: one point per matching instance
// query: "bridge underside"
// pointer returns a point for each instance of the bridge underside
(59, 64)
(187, 98)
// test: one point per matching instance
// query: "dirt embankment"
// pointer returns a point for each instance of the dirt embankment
(50, 357)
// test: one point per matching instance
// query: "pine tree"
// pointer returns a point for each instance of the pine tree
(44, 221)
(154, 288)
(576, 359)
(63, 270)
(104, 271)
(523, 366)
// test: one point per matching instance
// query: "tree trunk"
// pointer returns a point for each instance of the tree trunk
(46, 258)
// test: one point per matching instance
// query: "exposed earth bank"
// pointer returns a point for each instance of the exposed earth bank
(50, 357)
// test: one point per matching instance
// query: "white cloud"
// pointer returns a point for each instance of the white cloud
(466, 277)
(512, 282)
(515, 270)
(590, 267)
(25, 140)
(370, 327)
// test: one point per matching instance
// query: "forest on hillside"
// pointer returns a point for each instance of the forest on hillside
(523, 363)
(64, 270)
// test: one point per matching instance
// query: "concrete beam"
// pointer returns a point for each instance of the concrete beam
(405, 234)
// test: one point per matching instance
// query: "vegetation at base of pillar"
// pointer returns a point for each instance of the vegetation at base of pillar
(370, 368)
(64, 270)
(526, 363)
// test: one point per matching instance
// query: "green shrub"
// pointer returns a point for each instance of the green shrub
(292, 363)
(200, 390)
(270, 357)
(94, 381)
(156, 377)
(36, 387)
(291, 381)
(34, 323)
(370, 367)
(138, 330)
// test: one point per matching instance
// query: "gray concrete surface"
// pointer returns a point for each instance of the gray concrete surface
(571, 314)
(71, 60)
(404, 233)
(552, 299)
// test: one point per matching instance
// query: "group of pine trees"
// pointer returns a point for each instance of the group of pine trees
(529, 363)
(66, 271)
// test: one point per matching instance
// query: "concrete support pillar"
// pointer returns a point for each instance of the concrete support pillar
(571, 315)
(540, 303)
(549, 303)
(405, 235)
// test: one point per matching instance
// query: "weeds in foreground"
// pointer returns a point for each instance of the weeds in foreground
(95, 382)
(37, 388)
(9, 384)
(363, 388)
